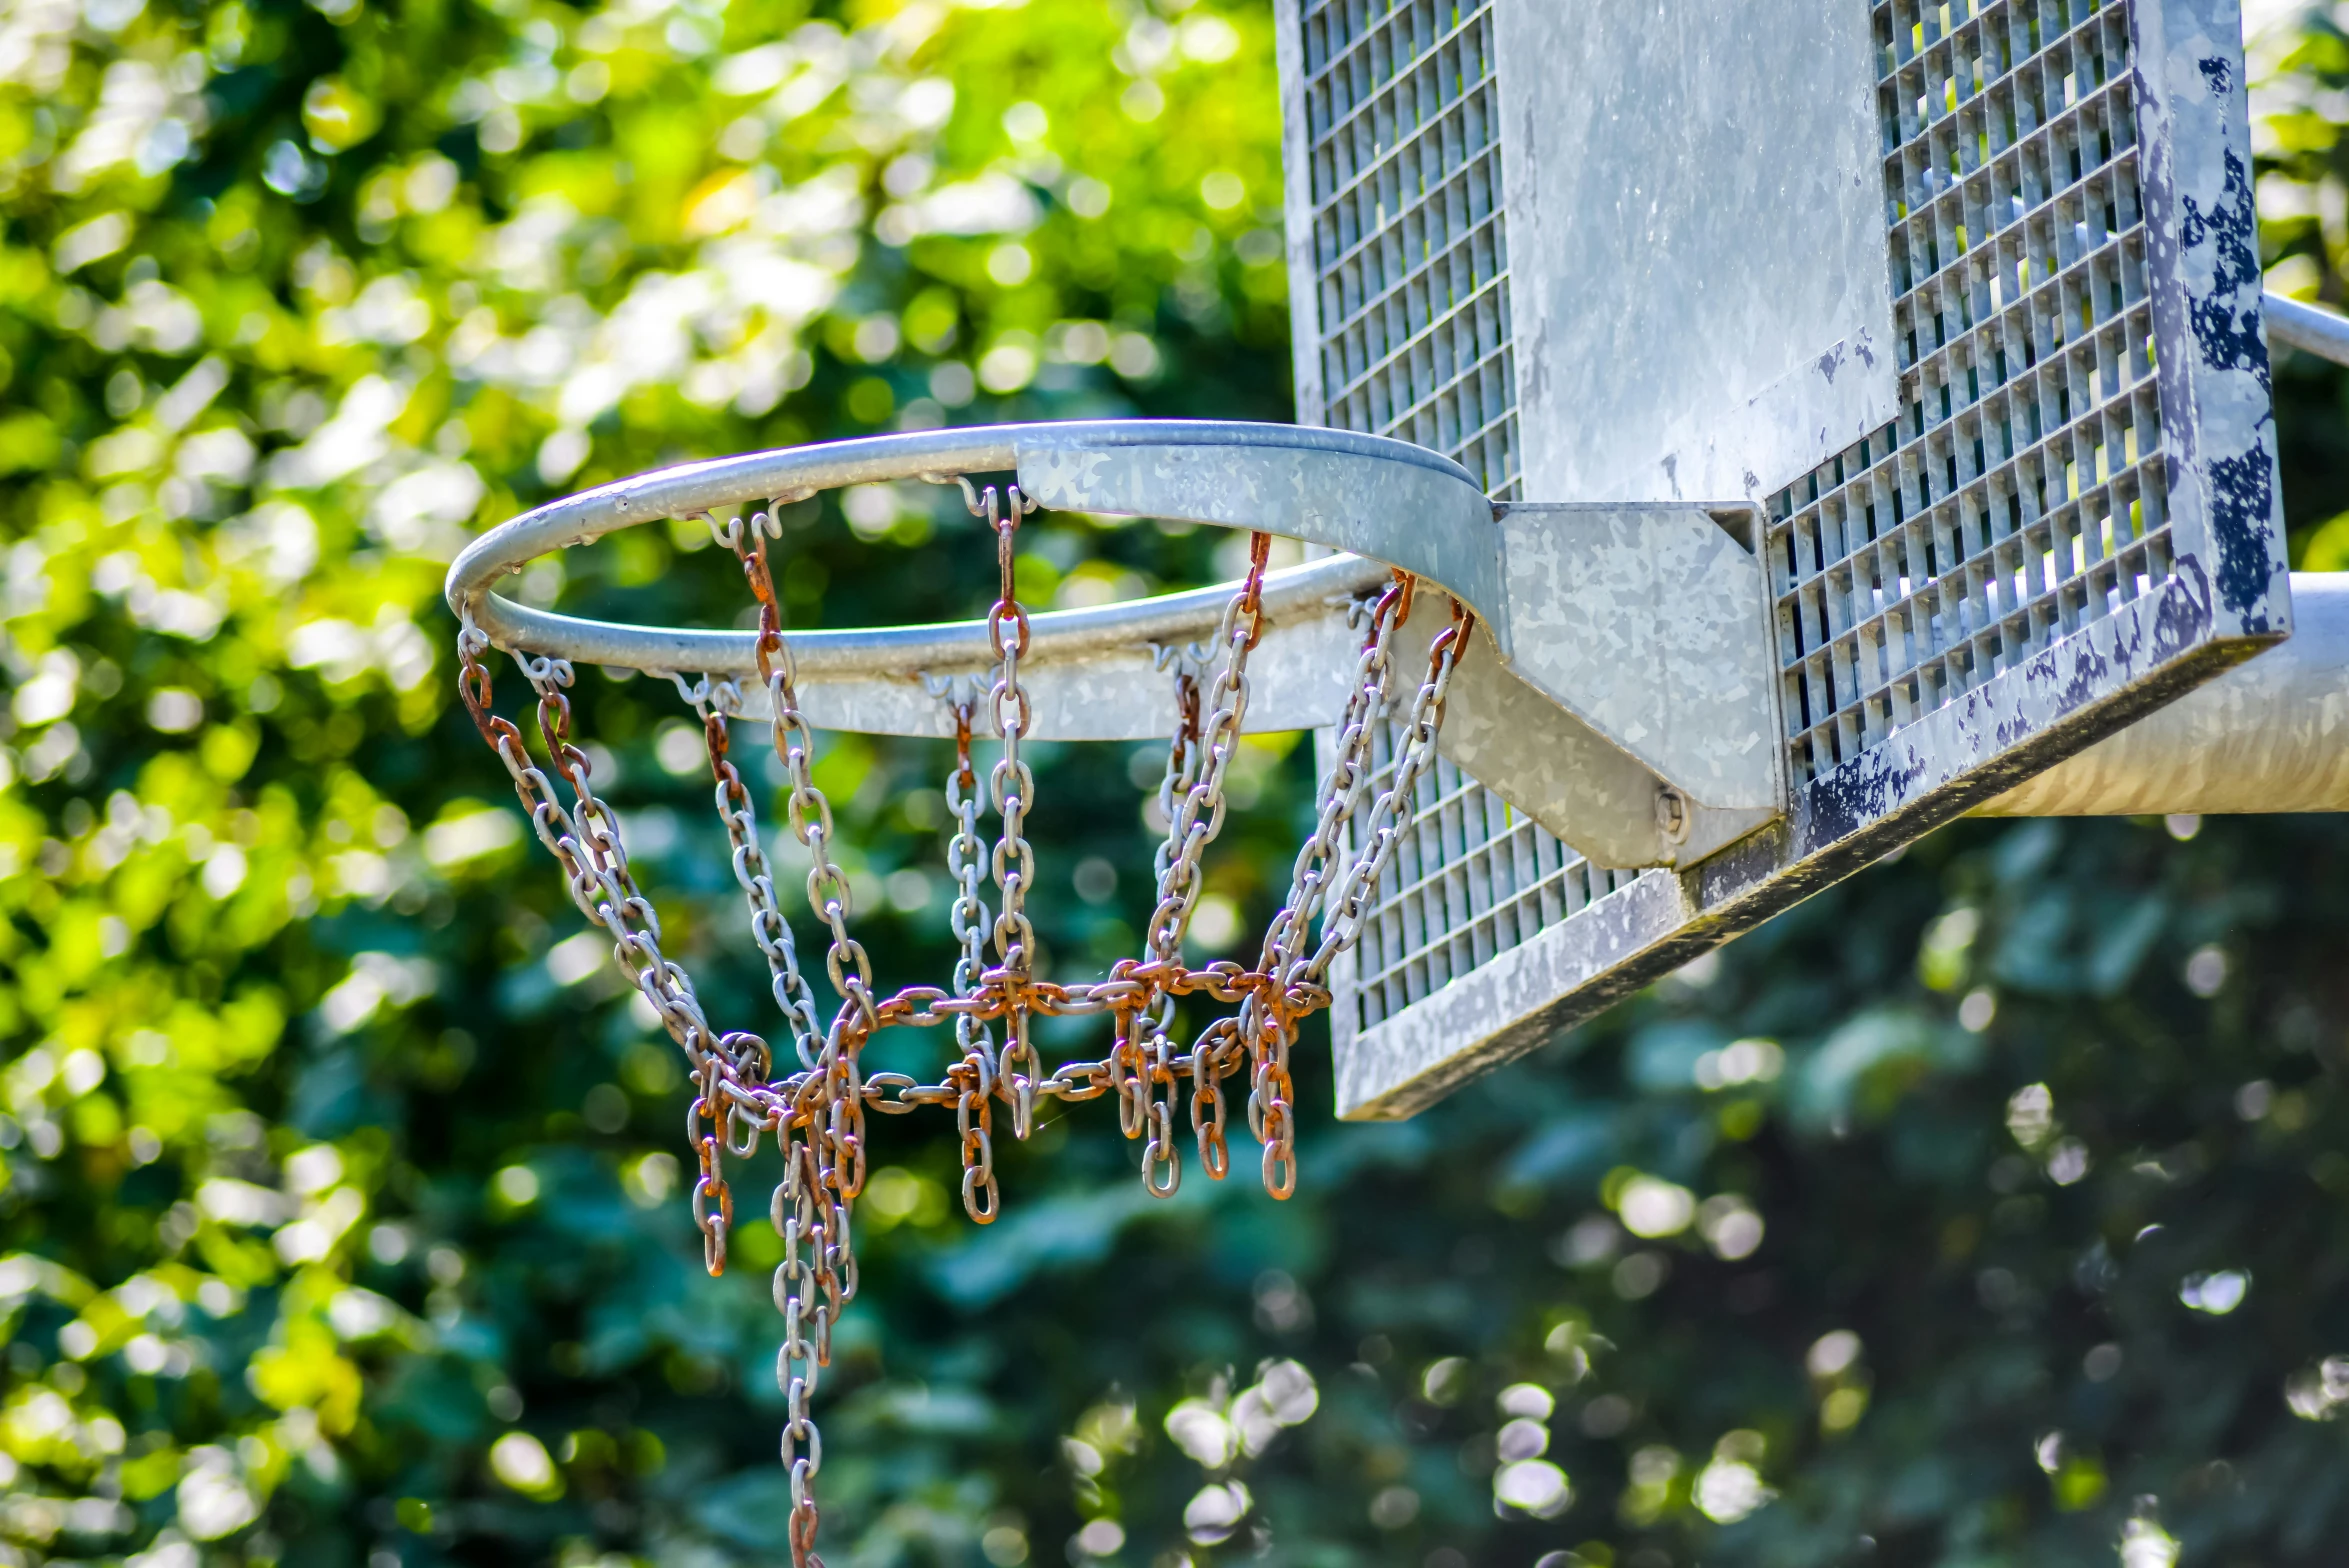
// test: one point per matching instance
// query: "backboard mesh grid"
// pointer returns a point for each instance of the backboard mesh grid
(1471, 878)
(1409, 253)
(1410, 262)
(2065, 518)
(2021, 495)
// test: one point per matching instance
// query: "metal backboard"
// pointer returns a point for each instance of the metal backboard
(1961, 302)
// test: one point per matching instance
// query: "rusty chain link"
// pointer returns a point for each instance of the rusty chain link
(1269, 1035)
(716, 702)
(1012, 786)
(816, 1113)
(1192, 799)
(975, 1083)
(1198, 815)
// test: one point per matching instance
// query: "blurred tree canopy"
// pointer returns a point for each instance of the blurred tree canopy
(1992, 1208)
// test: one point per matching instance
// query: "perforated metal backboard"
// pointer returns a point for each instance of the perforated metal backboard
(1957, 305)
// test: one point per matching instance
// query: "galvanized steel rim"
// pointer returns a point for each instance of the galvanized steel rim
(939, 456)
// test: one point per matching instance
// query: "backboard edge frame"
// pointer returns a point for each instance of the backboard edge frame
(1747, 883)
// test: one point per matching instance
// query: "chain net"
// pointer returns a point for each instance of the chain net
(814, 1103)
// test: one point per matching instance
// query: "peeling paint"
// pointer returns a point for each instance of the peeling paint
(2227, 331)
(2216, 409)
(1850, 798)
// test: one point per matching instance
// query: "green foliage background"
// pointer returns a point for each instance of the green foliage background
(329, 1165)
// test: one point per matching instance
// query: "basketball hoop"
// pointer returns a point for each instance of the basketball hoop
(1196, 650)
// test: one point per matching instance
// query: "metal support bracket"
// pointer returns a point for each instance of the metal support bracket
(1619, 691)
(1636, 718)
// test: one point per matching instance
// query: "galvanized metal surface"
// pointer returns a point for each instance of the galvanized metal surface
(1635, 721)
(1260, 459)
(1294, 596)
(1424, 515)
(1539, 760)
(2090, 422)
(1647, 622)
(2011, 570)
(2309, 328)
(2024, 493)
(1696, 243)
(1641, 615)
(1409, 1055)
(1095, 675)
(2271, 735)
(1960, 756)
(2267, 736)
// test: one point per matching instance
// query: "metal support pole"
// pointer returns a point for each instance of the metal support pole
(2309, 328)
(2271, 735)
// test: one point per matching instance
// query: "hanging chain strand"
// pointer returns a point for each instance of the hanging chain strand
(794, 1211)
(1195, 818)
(974, 1077)
(716, 702)
(1268, 1035)
(1341, 793)
(1351, 906)
(1012, 786)
(1198, 815)
(828, 894)
(1142, 1053)
(824, 1170)
(816, 1112)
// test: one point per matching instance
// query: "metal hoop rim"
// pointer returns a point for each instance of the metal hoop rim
(1271, 456)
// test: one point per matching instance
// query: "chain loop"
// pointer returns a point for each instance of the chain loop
(817, 1111)
(768, 928)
